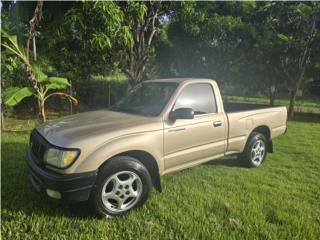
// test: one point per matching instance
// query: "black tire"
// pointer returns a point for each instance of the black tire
(117, 165)
(248, 158)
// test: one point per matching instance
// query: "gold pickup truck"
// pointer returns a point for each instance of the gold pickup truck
(112, 157)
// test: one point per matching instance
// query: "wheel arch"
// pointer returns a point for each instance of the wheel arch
(265, 131)
(147, 160)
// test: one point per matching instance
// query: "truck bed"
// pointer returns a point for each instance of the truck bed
(239, 107)
(244, 117)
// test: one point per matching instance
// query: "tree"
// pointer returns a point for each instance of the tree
(122, 33)
(205, 37)
(262, 45)
(297, 29)
(86, 36)
(40, 83)
(261, 51)
(142, 18)
(33, 23)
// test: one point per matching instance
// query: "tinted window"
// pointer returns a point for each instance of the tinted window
(199, 97)
(148, 98)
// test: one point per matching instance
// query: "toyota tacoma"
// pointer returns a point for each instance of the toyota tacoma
(112, 157)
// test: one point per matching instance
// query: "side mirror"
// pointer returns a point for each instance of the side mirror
(181, 113)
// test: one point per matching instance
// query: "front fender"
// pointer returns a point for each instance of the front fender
(151, 142)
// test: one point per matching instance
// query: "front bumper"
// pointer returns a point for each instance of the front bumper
(74, 187)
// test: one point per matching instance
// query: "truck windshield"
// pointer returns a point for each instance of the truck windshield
(147, 99)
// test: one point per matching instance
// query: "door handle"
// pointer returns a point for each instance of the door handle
(217, 123)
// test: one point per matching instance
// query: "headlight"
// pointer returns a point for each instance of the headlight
(60, 158)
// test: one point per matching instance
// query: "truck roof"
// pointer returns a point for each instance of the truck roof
(179, 80)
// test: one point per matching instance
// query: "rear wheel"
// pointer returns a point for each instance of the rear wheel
(122, 184)
(255, 150)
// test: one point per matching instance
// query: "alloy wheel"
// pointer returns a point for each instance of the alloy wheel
(121, 191)
(257, 152)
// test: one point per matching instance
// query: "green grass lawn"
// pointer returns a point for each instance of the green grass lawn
(217, 200)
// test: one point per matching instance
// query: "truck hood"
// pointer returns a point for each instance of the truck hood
(95, 127)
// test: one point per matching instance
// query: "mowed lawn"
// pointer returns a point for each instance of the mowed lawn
(217, 200)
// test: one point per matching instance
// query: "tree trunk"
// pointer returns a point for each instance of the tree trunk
(293, 94)
(137, 67)
(136, 57)
(33, 82)
(42, 114)
(34, 49)
(33, 23)
(2, 120)
(109, 93)
(272, 98)
(272, 95)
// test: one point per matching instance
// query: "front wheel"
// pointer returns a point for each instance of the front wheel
(122, 184)
(255, 150)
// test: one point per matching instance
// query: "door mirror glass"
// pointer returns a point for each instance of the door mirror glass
(181, 113)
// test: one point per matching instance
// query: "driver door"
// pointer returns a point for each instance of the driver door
(188, 141)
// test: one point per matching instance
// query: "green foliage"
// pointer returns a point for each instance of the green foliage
(136, 11)
(283, 37)
(258, 44)
(303, 8)
(11, 43)
(12, 70)
(127, 37)
(245, 43)
(110, 17)
(59, 82)
(17, 96)
(8, 92)
(88, 37)
(205, 37)
(39, 74)
(51, 83)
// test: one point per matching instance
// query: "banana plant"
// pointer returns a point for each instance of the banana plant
(46, 85)
(41, 86)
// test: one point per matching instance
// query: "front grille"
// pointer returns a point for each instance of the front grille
(38, 146)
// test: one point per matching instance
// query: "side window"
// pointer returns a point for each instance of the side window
(199, 97)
